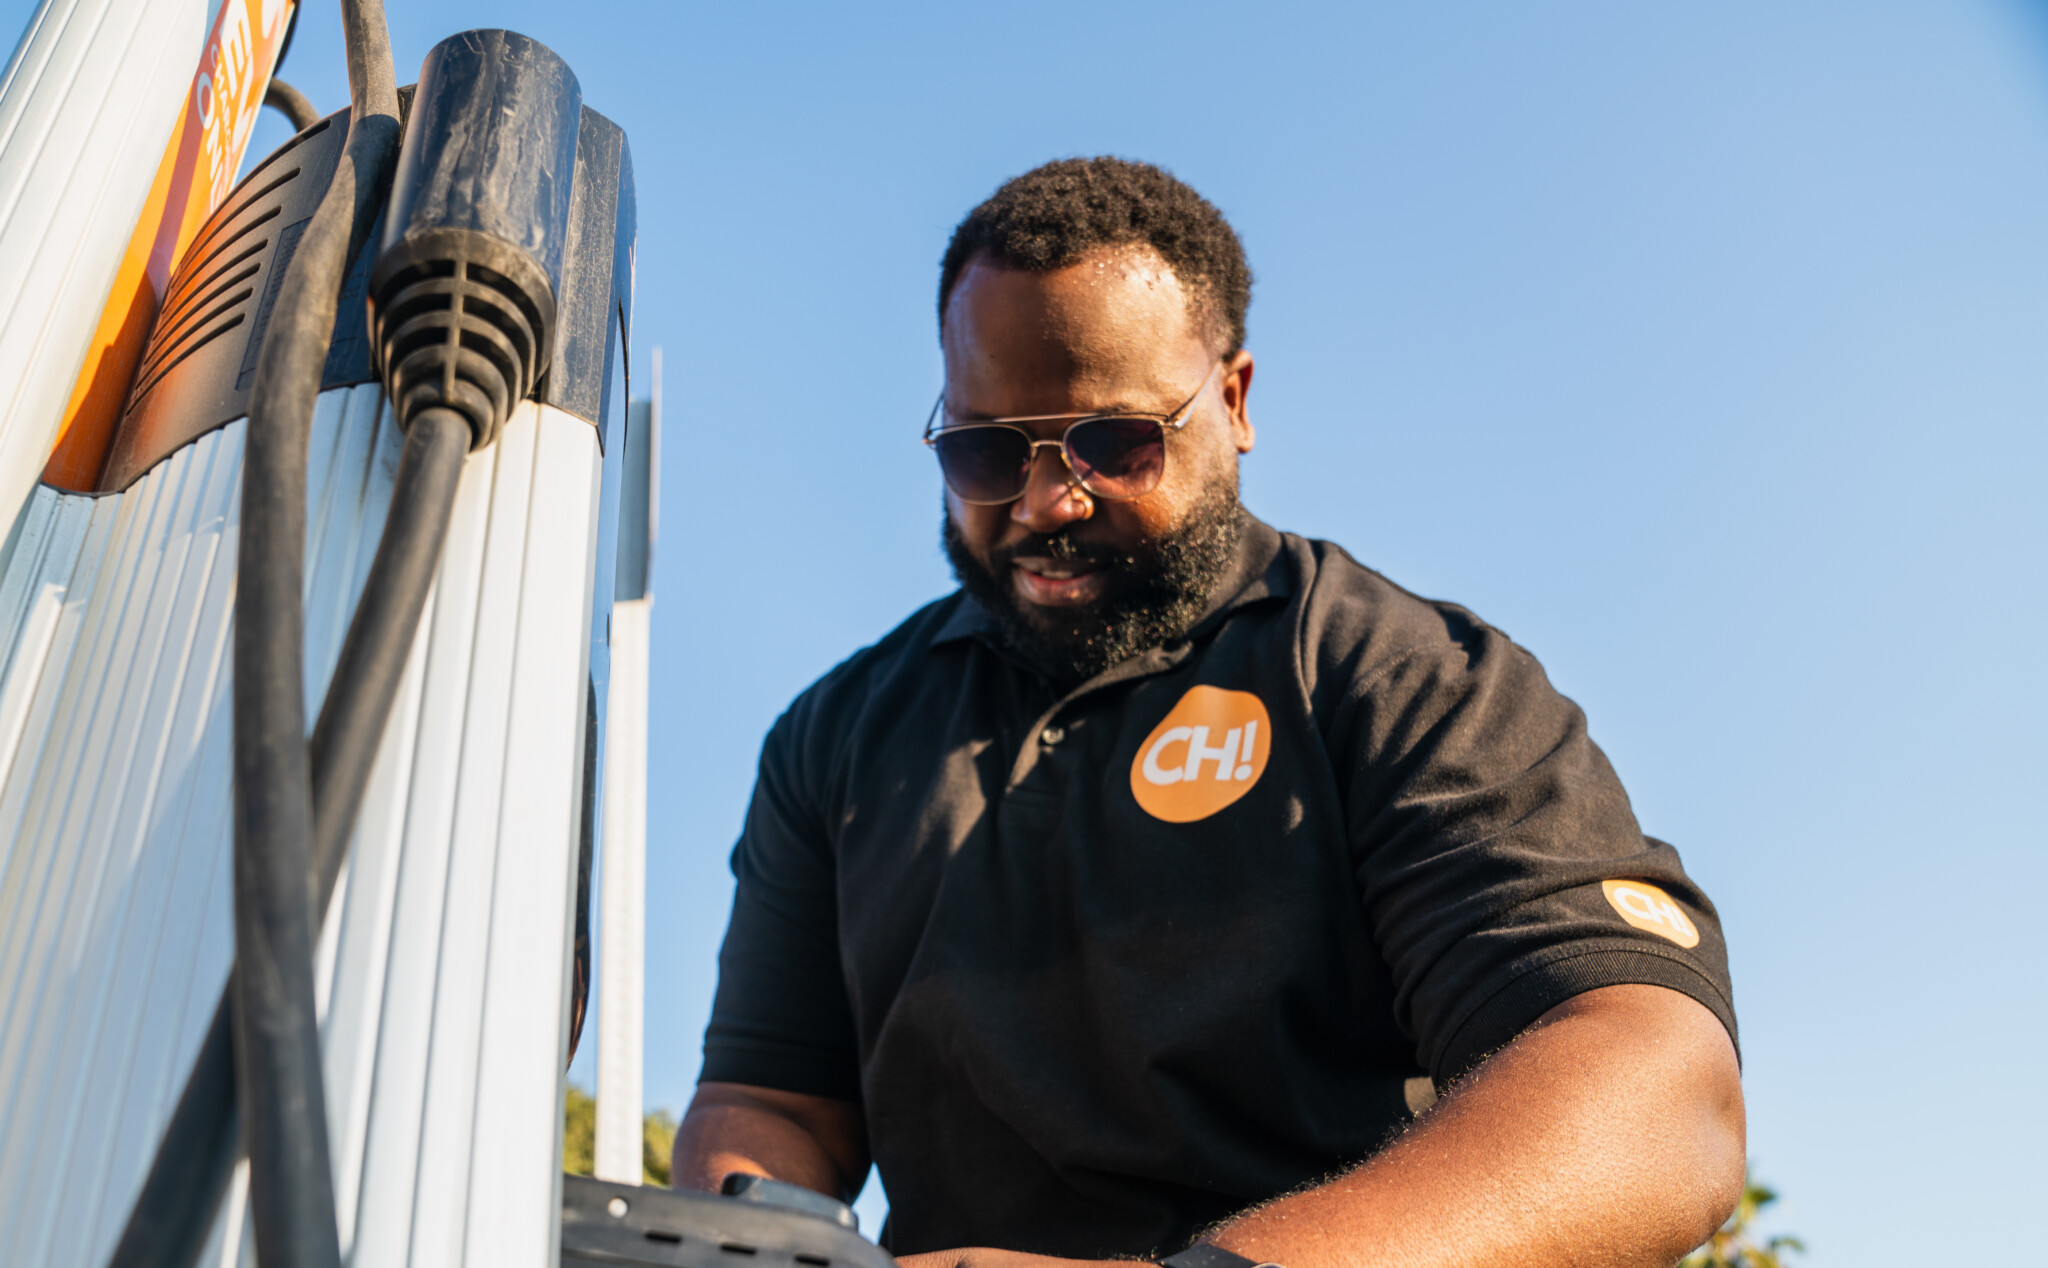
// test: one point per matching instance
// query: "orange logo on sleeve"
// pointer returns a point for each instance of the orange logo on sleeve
(1651, 910)
(1205, 753)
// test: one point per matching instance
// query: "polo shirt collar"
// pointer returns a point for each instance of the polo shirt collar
(1258, 573)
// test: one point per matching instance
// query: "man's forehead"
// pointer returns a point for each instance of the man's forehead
(1110, 314)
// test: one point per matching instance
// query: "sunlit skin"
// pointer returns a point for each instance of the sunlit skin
(1113, 332)
(1609, 1132)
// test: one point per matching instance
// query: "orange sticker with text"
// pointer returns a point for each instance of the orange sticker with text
(1651, 910)
(1205, 753)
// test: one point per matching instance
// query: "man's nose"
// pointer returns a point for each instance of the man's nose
(1052, 497)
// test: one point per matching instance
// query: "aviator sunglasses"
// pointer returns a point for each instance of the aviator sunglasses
(1114, 456)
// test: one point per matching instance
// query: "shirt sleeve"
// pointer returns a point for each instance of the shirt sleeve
(780, 1018)
(1497, 855)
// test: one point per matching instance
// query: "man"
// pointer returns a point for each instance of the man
(1182, 879)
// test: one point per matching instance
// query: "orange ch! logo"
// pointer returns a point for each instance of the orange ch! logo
(1205, 753)
(1651, 910)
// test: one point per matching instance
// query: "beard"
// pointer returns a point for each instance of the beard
(1152, 594)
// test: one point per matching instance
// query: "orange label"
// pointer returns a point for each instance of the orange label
(197, 171)
(1205, 753)
(1651, 910)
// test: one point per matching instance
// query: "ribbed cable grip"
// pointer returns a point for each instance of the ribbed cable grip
(460, 319)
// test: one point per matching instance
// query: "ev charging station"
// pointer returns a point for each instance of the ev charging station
(328, 502)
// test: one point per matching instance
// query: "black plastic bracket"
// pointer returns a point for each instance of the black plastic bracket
(626, 1224)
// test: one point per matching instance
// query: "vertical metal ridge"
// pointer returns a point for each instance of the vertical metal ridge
(84, 696)
(28, 888)
(152, 863)
(518, 1088)
(355, 484)
(9, 107)
(199, 818)
(327, 450)
(66, 62)
(38, 37)
(70, 1001)
(113, 805)
(622, 900)
(34, 594)
(365, 924)
(376, 508)
(393, 1149)
(78, 690)
(28, 545)
(60, 604)
(37, 893)
(157, 1046)
(440, 1212)
(347, 985)
(115, 828)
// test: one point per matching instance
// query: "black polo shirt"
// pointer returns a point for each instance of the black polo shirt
(1105, 966)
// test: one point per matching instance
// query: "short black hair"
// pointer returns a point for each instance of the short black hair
(1055, 213)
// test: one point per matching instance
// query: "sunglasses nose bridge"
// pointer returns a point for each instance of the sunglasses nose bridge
(1071, 477)
(1052, 495)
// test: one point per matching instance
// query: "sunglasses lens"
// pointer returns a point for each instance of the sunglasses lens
(1117, 457)
(984, 465)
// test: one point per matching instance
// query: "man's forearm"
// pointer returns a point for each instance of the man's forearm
(1610, 1132)
(809, 1141)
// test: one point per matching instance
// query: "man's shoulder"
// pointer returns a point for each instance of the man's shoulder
(1367, 642)
(1356, 613)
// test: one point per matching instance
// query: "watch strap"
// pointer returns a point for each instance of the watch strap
(1203, 1255)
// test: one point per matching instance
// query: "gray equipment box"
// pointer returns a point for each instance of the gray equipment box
(613, 1225)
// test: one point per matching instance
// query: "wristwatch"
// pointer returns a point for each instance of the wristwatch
(1203, 1255)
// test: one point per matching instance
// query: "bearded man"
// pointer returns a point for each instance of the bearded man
(1180, 887)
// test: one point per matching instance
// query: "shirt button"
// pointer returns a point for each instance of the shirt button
(1052, 735)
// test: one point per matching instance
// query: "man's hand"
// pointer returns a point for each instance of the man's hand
(813, 1141)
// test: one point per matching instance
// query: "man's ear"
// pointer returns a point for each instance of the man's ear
(1237, 386)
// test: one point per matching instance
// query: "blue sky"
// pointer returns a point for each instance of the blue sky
(1703, 348)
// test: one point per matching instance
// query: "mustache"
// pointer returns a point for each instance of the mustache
(1155, 592)
(1063, 545)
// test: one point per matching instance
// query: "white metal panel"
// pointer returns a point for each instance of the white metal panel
(86, 108)
(34, 588)
(526, 1001)
(622, 871)
(622, 904)
(365, 903)
(113, 793)
(441, 1190)
(390, 1164)
(118, 921)
(461, 1149)
(444, 962)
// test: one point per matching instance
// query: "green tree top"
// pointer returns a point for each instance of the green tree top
(1735, 1244)
(579, 1138)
